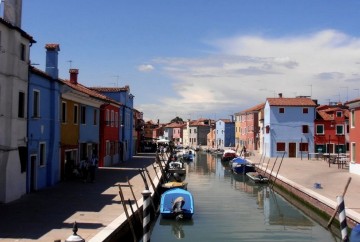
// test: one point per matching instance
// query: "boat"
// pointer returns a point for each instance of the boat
(173, 184)
(257, 177)
(228, 155)
(188, 155)
(177, 204)
(241, 166)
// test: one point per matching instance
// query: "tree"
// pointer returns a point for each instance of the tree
(177, 120)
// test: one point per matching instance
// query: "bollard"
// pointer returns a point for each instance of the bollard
(74, 236)
(146, 215)
(342, 218)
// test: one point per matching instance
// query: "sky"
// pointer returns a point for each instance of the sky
(203, 58)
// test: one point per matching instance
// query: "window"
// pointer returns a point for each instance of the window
(319, 129)
(112, 118)
(280, 146)
(95, 117)
(305, 129)
(339, 129)
(21, 105)
(281, 110)
(352, 118)
(116, 119)
(304, 147)
(107, 118)
(36, 104)
(22, 52)
(353, 152)
(305, 110)
(107, 147)
(76, 114)
(267, 129)
(42, 151)
(339, 114)
(63, 112)
(83, 115)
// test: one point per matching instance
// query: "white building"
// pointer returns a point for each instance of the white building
(14, 65)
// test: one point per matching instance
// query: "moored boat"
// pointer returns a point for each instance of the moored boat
(228, 155)
(174, 184)
(257, 177)
(177, 204)
(241, 166)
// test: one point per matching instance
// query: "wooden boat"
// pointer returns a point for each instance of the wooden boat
(177, 204)
(241, 166)
(257, 177)
(174, 184)
(228, 155)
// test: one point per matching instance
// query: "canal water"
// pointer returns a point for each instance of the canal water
(230, 207)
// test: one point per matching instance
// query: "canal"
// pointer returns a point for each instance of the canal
(230, 207)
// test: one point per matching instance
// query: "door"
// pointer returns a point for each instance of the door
(33, 159)
(292, 150)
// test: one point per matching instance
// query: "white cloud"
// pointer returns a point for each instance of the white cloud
(248, 69)
(146, 68)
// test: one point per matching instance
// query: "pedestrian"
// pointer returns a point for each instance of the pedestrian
(243, 151)
(92, 167)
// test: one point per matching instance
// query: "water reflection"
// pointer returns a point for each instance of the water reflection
(176, 226)
(231, 207)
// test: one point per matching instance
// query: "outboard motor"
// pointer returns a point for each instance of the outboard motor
(177, 207)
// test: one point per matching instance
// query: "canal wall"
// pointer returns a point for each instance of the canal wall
(323, 205)
(123, 228)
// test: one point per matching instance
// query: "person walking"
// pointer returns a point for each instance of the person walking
(92, 167)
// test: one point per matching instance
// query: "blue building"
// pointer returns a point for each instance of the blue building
(225, 133)
(289, 126)
(43, 169)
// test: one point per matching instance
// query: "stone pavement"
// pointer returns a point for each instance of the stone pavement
(49, 214)
(304, 173)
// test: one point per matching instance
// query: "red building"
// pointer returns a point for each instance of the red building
(331, 129)
(109, 153)
(354, 137)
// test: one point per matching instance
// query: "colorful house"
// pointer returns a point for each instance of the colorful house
(225, 133)
(14, 70)
(331, 129)
(247, 128)
(354, 137)
(198, 131)
(126, 112)
(289, 126)
(44, 123)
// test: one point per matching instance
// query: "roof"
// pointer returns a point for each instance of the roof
(295, 102)
(110, 89)
(174, 125)
(252, 109)
(328, 112)
(81, 88)
(22, 32)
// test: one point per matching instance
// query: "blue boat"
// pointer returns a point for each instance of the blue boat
(241, 166)
(177, 204)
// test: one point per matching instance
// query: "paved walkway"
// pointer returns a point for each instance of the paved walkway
(49, 214)
(304, 173)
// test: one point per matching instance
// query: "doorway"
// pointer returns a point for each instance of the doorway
(32, 185)
(292, 150)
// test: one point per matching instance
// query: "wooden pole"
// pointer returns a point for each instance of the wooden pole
(132, 192)
(126, 213)
(337, 207)
(278, 170)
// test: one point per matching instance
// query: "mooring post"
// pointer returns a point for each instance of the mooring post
(146, 215)
(342, 218)
(75, 236)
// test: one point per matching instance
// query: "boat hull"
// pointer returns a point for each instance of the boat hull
(167, 210)
(257, 177)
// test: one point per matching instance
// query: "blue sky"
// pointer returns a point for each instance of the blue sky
(203, 58)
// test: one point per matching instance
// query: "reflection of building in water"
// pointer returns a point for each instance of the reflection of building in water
(273, 205)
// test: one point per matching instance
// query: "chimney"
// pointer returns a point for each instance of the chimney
(12, 12)
(73, 75)
(52, 60)
(280, 95)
